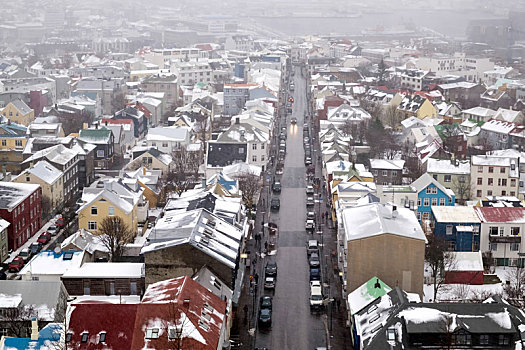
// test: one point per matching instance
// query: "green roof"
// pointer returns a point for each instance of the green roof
(367, 293)
(95, 135)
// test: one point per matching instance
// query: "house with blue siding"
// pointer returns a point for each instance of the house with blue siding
(459, 226)
(430, 193)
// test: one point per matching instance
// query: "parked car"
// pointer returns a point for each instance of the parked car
(35, 248)
(310, 201)
(3, 275)
(279, 171)
(44, 238)
(276, 187)
(314, 260)
(266, 302)
(269, 283)
(310, 215)
(310, 190)
(265, 317)
(310, 225)
(25, 254)
(306, 139)
(315, 274)
(308, 161)
(275, 204)
(52, 230)
(60, 222)
(270, 269)
(312, 247)
(16, 265)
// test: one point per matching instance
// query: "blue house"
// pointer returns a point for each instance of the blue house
(430, 193)
(459, 226)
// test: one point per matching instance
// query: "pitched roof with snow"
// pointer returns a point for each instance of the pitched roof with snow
(501, 214)
(106, 270)
(12, 193)
(425, 180)
(443, 166)
(389, 164)
(376, 219)
(44, 171)
(455, 214)
(498, 126)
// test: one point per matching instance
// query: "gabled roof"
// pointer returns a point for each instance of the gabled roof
(199, 228)
(455, 214)
(173, 133)
(501, 214)
(179, 302)
(95, 136)
(44, 171)
(116, 320)
(21, 106)
(389, 164)
(365, 294)
(12, 193)
(221, 154)
(376, 219)
(425, 180)
(56, 154)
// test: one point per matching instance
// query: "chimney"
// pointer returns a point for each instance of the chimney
(143, 171)
(96, 126)
(394, 212)
(34, 329)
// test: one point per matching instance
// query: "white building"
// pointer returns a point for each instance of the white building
(192, 72)
(168, 139)
(494, 176)
(471, 68)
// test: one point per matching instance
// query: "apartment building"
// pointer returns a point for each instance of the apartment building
(494, 176)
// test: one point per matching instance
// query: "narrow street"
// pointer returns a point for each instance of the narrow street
(293, 326)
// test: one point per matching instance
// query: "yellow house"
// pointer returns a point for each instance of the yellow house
(49, 178)
(150, 181)
(17, 111)
(153, 159)
(106, 204)
(417, 106)
(12, 142)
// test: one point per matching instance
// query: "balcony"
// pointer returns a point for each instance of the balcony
(505, 239)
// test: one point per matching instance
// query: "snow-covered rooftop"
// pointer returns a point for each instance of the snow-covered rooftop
(106, 270)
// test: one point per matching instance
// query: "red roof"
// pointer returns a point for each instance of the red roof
(501, 214)
(183, 302)
(116, 320)
(143, 109)
(116, 121)
(204, 47)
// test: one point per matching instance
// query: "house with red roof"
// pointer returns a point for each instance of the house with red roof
(180, 313)
(501, 234)
(101, 325)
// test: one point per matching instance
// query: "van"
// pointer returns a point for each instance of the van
(312, 246)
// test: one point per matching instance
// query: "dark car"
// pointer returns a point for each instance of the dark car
(16, 265)
(276, 187)
(266, 302)
(270, 269)
(44, 238)
(265, 317)
(35, 248)
(275, 204)
(294, 121)
(314, 260)
(3, 275)
(315, 274)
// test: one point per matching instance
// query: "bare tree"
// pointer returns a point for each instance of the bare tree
(250, 186)
(184, 171)
(17, 320)
(515, 287)
(439, 260)
(446, 331)
(462, 189)
(381, 71)
(118, 102)
(114, 235)
(488, 261)
(392, 116)
(461, 291)
(47, 206)
(202, 128)
(73, 122)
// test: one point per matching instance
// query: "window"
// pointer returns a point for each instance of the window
(419, 216)
(449, 229)
(391, 334)
(18, 143)
(254, 146)
(493, 246)
(442, 202)
(493, 230)
(503, 182)
(100, 153)
(68, 337)
(164, 144)
(463, 339)
(133, 288)
(435, 176)
(434, 202)
(484, 339)
(503, 339)
(489, 192)
(428, 190)
(480, 169)
(109, 287)
(478, 193)
(385, 172)
(254, 158)
(426, 202)
(85, 337)
(491, 169)
(502, 170)
(152, 333)
(475, 246)
(480, 181)
(92, 225)
(94, 211)
(102, 337)
(426, 216)
(241, 150)
(4, 143)
(513, 182)
(462, 179)
(514, 247)
(501, 230)
(514, 231)
(451, 246)
(111, 211)
(87, 288)
(394, 172)
(490, 181)
(448, 178)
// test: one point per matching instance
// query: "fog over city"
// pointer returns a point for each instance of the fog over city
(255, 175)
